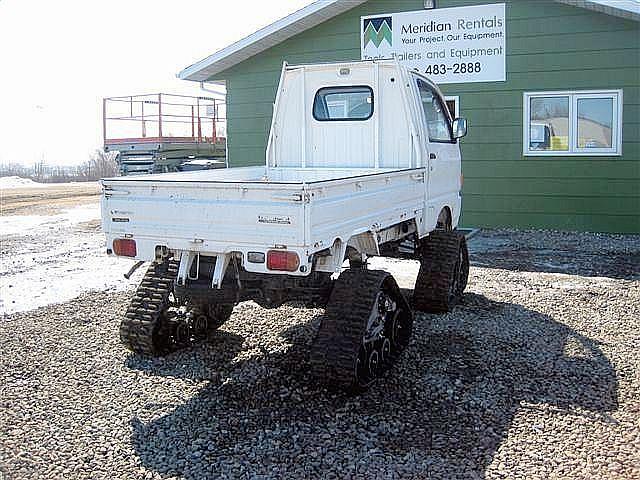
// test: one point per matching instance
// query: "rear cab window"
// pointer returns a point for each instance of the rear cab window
(349, 103)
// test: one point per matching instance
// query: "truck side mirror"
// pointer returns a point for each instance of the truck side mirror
(459, 127)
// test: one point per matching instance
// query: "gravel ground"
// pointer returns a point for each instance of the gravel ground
(535, 375)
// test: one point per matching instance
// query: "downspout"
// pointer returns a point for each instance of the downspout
(216, 92)
(223, 95)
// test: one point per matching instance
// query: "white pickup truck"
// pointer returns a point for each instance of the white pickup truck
(362, 160)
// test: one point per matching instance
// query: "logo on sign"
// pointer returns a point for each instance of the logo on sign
(377, 30)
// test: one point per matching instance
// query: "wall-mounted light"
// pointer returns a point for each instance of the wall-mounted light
(429, 4)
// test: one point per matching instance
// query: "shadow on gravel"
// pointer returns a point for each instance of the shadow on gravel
(195, 363)
(442, 412)
(588, 255)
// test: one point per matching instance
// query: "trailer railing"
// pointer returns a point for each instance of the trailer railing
(163, 118)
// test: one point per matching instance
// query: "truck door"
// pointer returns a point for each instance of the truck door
(444, 154)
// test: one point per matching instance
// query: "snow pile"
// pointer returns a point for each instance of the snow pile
(19, 182)
(32, 224)
(51, 259)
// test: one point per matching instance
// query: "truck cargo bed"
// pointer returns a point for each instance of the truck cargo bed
(244, 209)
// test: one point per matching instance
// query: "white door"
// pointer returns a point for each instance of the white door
(444, 154)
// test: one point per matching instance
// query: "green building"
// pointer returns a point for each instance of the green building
(551, 93)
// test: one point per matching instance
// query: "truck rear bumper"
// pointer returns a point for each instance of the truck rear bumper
(252, 257)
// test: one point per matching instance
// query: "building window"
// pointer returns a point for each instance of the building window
(453, 104)
(343, 103)
(573, 123)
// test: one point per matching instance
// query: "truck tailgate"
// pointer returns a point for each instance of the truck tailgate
(213, 214)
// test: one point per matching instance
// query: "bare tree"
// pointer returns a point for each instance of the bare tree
(100, 165)
(14, 170)
(39, 170)
(105, 164)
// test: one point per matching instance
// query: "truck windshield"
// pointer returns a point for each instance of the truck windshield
(343, 103)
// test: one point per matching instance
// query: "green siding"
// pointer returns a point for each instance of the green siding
(549, 47)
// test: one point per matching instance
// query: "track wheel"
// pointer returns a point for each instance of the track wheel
(157, 322)
(216, 315)
(444, 272)
(367, 325)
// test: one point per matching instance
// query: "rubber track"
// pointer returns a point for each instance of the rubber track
(335, 350)
(143, 329)
(439, 253)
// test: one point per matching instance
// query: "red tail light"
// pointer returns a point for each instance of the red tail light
(282, 260)
(125, 247)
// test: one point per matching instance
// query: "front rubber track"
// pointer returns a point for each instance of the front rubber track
(444, 272)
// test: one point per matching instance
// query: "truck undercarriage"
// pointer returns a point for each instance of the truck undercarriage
(367, 324)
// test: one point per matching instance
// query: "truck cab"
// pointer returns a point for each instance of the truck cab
(374, 115)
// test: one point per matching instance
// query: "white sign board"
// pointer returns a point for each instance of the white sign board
(450, 45)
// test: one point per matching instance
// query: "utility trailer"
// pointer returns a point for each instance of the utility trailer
(362, 160)
(161, 133)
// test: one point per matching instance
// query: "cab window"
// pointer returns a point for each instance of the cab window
(435, 114)
(343, 103)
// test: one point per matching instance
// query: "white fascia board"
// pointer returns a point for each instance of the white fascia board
(267, 37)
(628, 9)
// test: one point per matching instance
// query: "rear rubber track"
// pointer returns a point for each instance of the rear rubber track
(145, 328)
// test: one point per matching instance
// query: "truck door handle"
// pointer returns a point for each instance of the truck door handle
(432, 156)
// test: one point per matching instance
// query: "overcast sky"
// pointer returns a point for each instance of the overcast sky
(59, 58)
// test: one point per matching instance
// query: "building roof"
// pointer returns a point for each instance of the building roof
(629, 9)
(267, 37)
(323, 10)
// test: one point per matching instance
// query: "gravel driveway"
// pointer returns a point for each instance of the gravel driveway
(535, 375)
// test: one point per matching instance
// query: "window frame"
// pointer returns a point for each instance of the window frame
(329, 87)
(574, 96)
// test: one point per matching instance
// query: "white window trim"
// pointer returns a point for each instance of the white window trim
(574, 151)
(456, 100)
